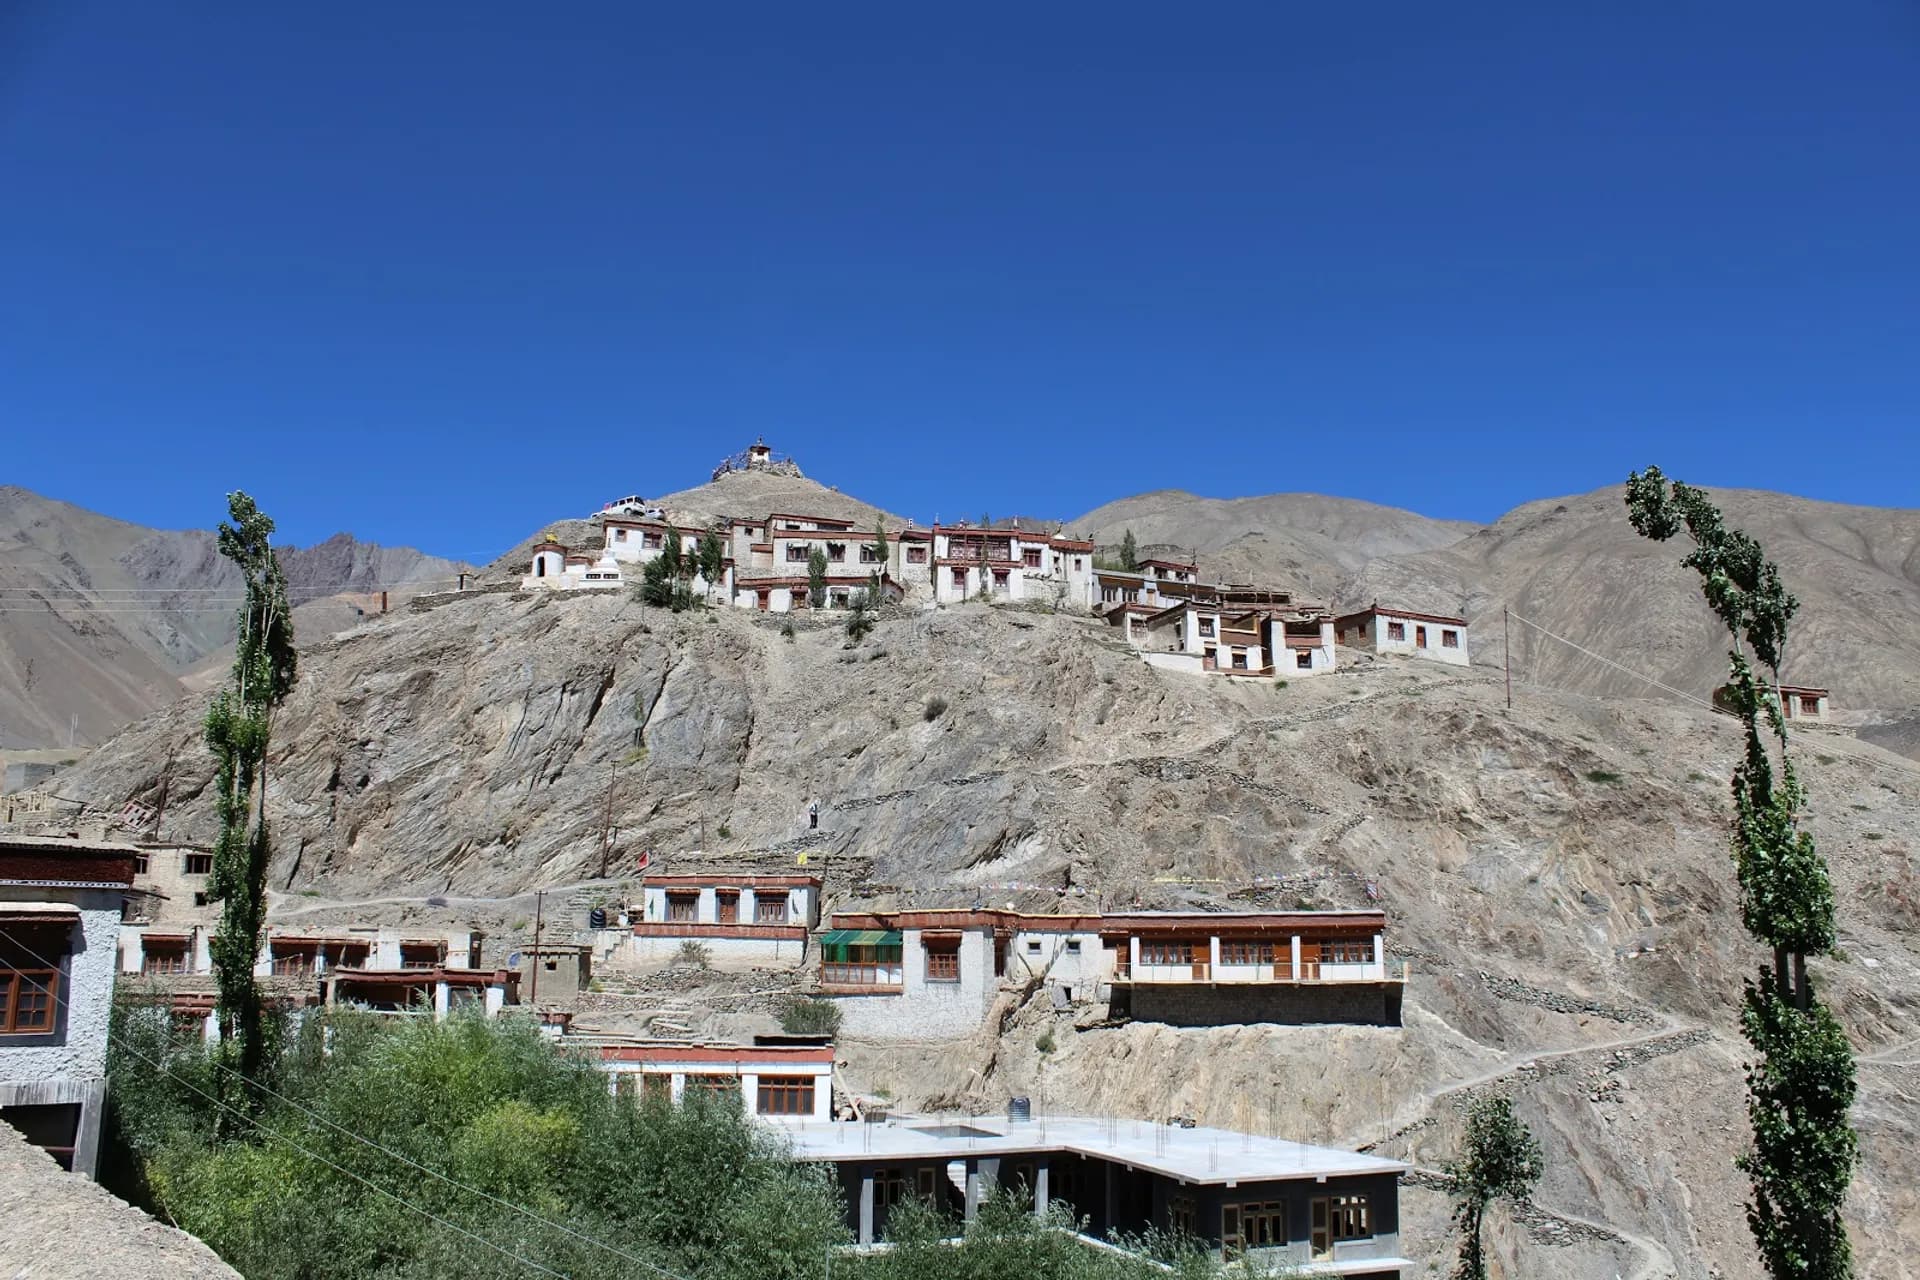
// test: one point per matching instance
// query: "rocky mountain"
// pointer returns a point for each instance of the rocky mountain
(1307, 539)
(1575, 567)
(102, 621)
(1556, 875)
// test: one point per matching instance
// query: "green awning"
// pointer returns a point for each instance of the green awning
(860, 938)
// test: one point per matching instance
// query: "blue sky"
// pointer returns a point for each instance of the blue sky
(438, 273)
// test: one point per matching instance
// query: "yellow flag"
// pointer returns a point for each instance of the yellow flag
(802, 859)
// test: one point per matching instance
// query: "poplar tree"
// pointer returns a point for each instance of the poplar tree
(879, 548)
(1799, 1091)
(238, 729)
(712, 556)
(817, 577)
(1129, 553)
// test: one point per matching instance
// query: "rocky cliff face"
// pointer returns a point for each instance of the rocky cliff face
(1556, 875)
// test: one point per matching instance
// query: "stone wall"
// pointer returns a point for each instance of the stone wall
(1200, 1004)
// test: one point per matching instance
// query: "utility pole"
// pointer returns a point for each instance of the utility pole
(539, 904)
(383, 602)
(1506, 650)
(463, 579)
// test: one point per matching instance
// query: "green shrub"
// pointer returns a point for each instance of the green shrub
(1045, 1042)
(693, 955)
(801, 1016)
(936, 707)
(1604, 777)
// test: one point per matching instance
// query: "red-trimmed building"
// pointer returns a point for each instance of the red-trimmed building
(933, 973)
(1441, 637)
(60, 907)
(742, 921)
(786, 1083)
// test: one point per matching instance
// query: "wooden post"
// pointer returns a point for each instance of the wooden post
(383, 602)
(1506, 651)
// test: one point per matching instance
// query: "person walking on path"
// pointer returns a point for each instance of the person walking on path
(813, 816)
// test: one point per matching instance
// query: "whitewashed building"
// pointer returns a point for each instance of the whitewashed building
(783, 1084)
(972, 563)
(743, 921)
(555, 567)
(934, 974)
(1439, 637)
(60, 905)
(1797, 702)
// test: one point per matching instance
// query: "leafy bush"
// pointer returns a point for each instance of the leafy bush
(859, 622)
(697, 1189)
(936, 707)
(1045, 1043)
(693, 955)
(800, 1016)
(786, 631)
(1604, 777)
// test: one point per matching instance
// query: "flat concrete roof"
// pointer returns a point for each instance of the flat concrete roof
(1198, 1155)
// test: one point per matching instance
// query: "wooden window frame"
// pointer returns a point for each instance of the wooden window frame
(174, 957)
(1449, 638)
(677, 903)
(786, 1095)
(726, 906)
(196, 864)
(771, 910)
(916, 555)
(16, 982)
(943, 962)
(1397, 632)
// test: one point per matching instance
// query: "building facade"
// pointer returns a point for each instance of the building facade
(1439, 637)
(935, 974)
(742, 921)
(783, 1084)
(60, 905)
(1279, 1203)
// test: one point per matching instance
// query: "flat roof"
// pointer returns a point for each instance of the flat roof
(1198, 1155)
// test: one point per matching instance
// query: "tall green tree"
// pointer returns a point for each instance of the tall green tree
(1799, 1092)
(713, 558)
(817, 577)
(239, 727)
(879, 548)
(1129, 553)
(1502, 1160)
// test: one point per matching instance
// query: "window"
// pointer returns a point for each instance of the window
(1241, 952)
(715, 1086)
(1449, 639)
(1264, 1225)
(916, 555)
(786, 1095)
(619, 535)
(1239, 659)
(836, 551)
(27, 1000)
(867, 554)
(1166, 952)
(683, 908)
(943, 962)
(728, 901)
(771, 910)
(1347, 951)
(1180, 1215)
(1338, 1218)
(1303, 660)
(201, 898)
(960, 579)
(889, 1188)
(1033, 946)
(1073, 946)
(1809, 705)
(424, 955)
(1206, 626)
(999, 577)
(198, 864)
(164, 955)
(1396, 631)
(1031, 557)
(797, 552)
(140, 864)
(925, 1181)
(650, 540)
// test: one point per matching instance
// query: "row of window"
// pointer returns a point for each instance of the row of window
(1397, 631)
(1263, 1224)
(777, 1095)
(684, 908)
(1239, 951)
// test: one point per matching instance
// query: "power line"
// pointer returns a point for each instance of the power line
(1600, 657)
(384, 1150)
(311, 1155)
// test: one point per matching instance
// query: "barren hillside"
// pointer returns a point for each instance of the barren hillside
(1306, 539)
(1556, 875)
(100, 620)
(1575, 566)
